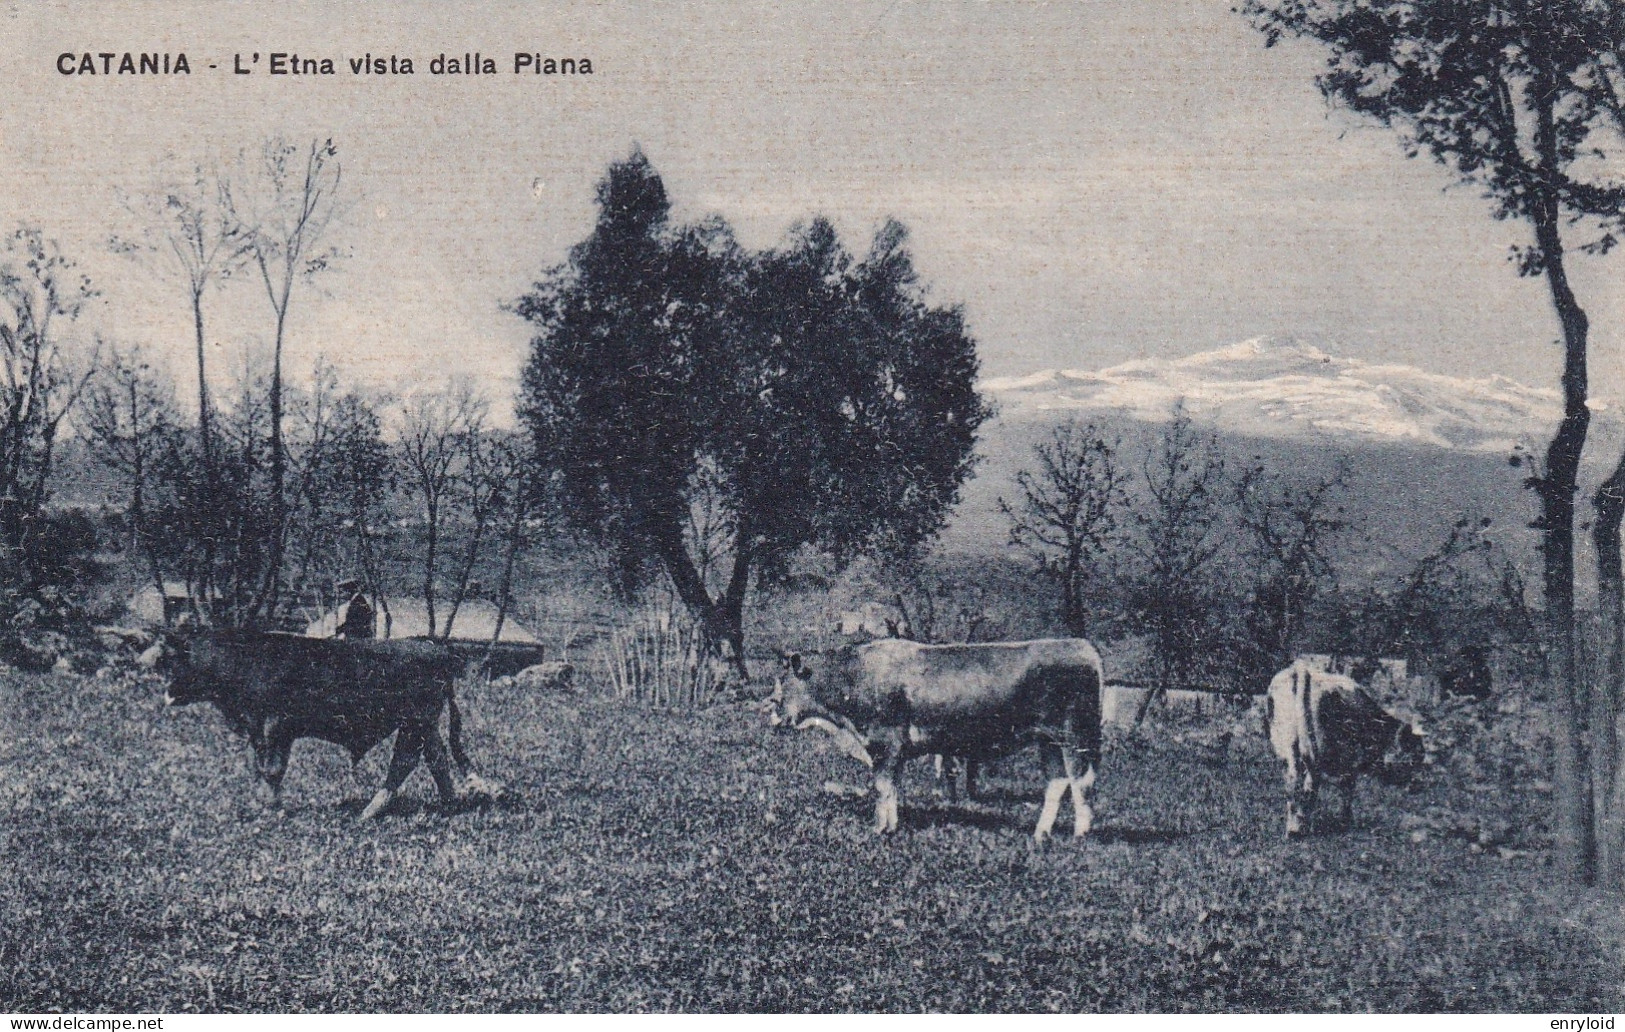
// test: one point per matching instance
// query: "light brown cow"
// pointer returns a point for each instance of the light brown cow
(891, 700)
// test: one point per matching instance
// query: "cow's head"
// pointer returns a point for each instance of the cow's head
(170, 657)
(793, 705)
(792, 695)
(1404, 757)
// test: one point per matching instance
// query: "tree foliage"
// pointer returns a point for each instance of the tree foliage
(814, 396)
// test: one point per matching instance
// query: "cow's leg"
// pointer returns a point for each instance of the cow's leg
(888, 757)
(271, 750)
(402, 761)
(473, 783)
(1300, 794)
(434, 753)
(1055, 769)
(1083, 791)
(1294, 822)
(1302, 786)
(1345, 808)
(973, 766)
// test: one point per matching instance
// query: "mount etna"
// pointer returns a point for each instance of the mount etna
(1423, 449)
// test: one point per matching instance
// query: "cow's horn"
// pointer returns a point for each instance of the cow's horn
(845, 740)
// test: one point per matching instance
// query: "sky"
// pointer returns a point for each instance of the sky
(1092, 181)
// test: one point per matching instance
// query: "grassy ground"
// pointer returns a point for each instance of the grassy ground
(652, 861)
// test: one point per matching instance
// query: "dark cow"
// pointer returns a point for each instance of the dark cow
(495, 659)
(891, 700)
(1327, 727)
(275, 688)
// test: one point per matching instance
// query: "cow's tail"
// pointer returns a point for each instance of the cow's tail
(1303, 691)
(1086, 724)
(455, 720)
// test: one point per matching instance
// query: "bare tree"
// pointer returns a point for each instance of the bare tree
(480, 493)
(312, 534)
(434, 427)
(1289, 528)
(1178, 535)
(525, 504)
(1067, 511)
(44, 373)
(361, 476)
(284, 213)
(186, 228)
(237, 502)
(132, 417)
(1441, 577)
(342, 478)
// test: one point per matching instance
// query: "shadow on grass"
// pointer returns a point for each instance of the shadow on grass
(919, 817)
(407, 804)
(1111, 835)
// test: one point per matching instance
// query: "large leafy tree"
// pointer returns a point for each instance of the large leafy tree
(801, 396)
(1520, 99)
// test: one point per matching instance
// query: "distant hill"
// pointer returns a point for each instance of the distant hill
(1401, 500)
(1424, 449)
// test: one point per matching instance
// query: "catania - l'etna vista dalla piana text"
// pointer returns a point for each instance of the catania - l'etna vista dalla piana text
(278, 62)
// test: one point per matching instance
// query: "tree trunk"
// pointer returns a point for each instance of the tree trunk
(371, 573)
(432, 509)
(1611, 832)
(1152, 694)
(204, 417)
(1071, 589)
(733, 600)
(1165, 673)
(516, 532)
(1572, 827)
(208, 517)
(1609, 502)
(465, 570)
(721, 622)
(272, 581)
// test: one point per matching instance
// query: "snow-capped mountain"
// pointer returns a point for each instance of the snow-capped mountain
(1287, 389)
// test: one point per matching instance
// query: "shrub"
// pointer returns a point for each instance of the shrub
(656, 659)
(33, 627)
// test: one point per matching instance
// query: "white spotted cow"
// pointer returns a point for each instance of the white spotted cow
(1326, 727)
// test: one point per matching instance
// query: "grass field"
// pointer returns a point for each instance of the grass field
(694, 861)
